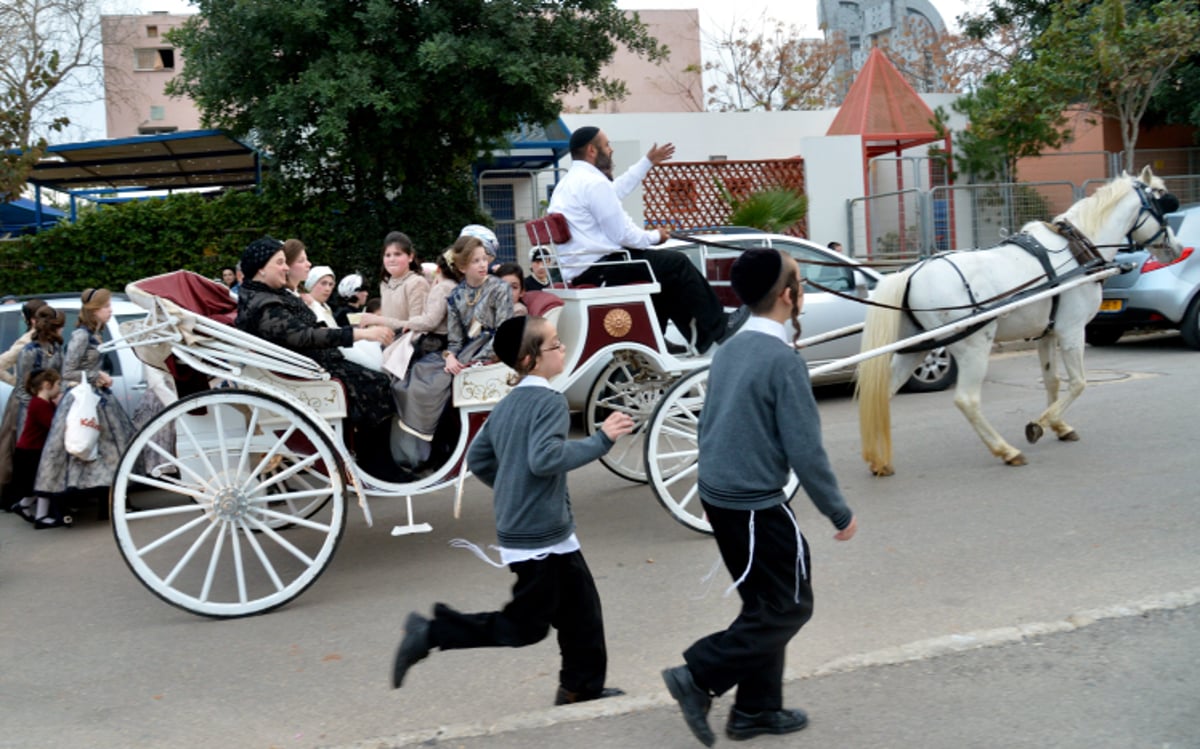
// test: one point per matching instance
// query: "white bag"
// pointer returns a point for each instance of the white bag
(82, 435)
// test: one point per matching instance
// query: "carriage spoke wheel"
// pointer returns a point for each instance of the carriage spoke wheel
(245, 509)
(633, 385)
(673, 451)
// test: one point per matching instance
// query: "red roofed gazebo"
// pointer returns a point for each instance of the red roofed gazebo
(887, 113)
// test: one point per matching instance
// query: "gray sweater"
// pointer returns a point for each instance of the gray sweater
(523, 453)
(759, 419)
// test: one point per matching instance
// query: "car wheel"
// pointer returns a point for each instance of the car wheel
(1103, 335)
(1190, 328)
(937, 371)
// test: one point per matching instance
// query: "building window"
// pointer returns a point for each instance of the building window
(499, 201)
(154, 59)
(157, 113)
(152, 32)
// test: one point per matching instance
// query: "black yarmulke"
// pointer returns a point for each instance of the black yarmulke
(257, 253)
(583, 136)
(507, 343)
(754, 273)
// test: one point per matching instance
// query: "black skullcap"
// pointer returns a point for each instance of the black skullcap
(507, 343)
(754, 273)
(257, 253)
(583, 136)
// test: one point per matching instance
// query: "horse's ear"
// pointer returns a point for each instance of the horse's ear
(1147, 174)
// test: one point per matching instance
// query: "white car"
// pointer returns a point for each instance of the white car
(129, 380)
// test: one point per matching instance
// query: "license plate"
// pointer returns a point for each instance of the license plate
(1112, 305)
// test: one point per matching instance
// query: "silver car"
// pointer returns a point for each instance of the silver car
(823, 312)
(1153, 295)
(129, 381)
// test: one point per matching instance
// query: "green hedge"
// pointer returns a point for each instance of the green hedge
(119, 243)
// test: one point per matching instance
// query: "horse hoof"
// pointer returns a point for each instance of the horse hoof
(1033, 432)
(1016, 460)
(1071, 436)
(884, 471)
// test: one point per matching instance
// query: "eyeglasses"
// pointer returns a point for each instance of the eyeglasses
(560, 346)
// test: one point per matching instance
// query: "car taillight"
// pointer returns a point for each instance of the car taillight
(1152, 264)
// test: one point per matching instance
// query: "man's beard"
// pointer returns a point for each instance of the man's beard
(604, 164)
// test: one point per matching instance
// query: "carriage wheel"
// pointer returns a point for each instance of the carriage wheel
(673, 451)
(633, 385)
(248, 506)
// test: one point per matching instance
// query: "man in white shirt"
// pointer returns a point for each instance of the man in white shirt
(602, 233)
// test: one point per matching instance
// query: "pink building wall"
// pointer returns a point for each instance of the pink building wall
(138, 63)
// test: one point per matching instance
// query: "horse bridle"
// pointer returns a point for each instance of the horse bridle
(1153, 207)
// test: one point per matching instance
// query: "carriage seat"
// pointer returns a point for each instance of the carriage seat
(544, 304)
(482, 385)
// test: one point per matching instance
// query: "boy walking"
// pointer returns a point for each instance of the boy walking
(758, 394)
(523, 453)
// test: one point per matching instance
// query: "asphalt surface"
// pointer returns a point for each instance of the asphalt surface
(1117, 683)
(1090, 551)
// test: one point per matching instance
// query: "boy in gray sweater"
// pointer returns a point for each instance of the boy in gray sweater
(523, 453)
(758, 394)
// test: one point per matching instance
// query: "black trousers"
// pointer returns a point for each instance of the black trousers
(749, 654)
(685, 293)
(558, 592)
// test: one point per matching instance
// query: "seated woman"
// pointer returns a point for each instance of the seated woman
(320, 288)
(474, 309)
(268, 310)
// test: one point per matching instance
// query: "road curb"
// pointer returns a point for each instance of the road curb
(914, 651)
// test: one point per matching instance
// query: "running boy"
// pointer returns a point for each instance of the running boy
(523, 453)
(758, 394)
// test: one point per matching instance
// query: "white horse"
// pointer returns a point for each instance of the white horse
(947, 287)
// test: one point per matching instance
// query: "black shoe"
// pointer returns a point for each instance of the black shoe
(676, 349)
(693, 701)
(413, 648)
(52, 521)
(743, 725)
(563, 697)
(25, 511)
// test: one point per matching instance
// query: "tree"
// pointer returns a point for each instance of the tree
(49, 55)
(367, 101)
(1105, 57)
(1134, 49)
(771, 69)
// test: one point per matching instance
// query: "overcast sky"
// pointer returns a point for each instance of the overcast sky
(715, 16)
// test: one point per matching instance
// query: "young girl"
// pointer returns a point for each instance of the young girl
(43, 351)
(402, 290)
(523, 453)
(44, 388)
(60, 472)
(510, 273)
(474, 309)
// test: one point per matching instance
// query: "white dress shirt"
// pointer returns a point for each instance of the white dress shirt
(591, 203)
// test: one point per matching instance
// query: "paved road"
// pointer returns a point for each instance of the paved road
(954, 543)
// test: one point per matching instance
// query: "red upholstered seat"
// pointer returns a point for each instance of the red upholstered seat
(540, 302)
(194, 293)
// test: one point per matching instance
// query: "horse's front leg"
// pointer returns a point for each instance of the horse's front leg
(971, 354)
(1076, 384)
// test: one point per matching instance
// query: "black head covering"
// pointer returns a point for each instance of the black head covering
(507, 343)
(257, 253)
(583, 136)
(754, 273)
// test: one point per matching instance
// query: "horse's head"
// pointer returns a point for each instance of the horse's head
(1150, 229)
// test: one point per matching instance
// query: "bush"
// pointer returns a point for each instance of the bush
(123, 242)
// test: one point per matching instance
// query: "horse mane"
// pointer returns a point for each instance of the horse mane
(1089, 214)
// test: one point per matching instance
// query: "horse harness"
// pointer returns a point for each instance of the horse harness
(1086, 256)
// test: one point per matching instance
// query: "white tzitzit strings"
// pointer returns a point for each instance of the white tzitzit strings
(462, 543)
(801, 567)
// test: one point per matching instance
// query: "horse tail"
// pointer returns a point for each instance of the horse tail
(874, 379)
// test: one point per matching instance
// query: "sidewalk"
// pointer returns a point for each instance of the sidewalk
(1114, 683)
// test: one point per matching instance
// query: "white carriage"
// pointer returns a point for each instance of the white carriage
(248, 459)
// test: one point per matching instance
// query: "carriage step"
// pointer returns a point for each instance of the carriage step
(410, 528)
